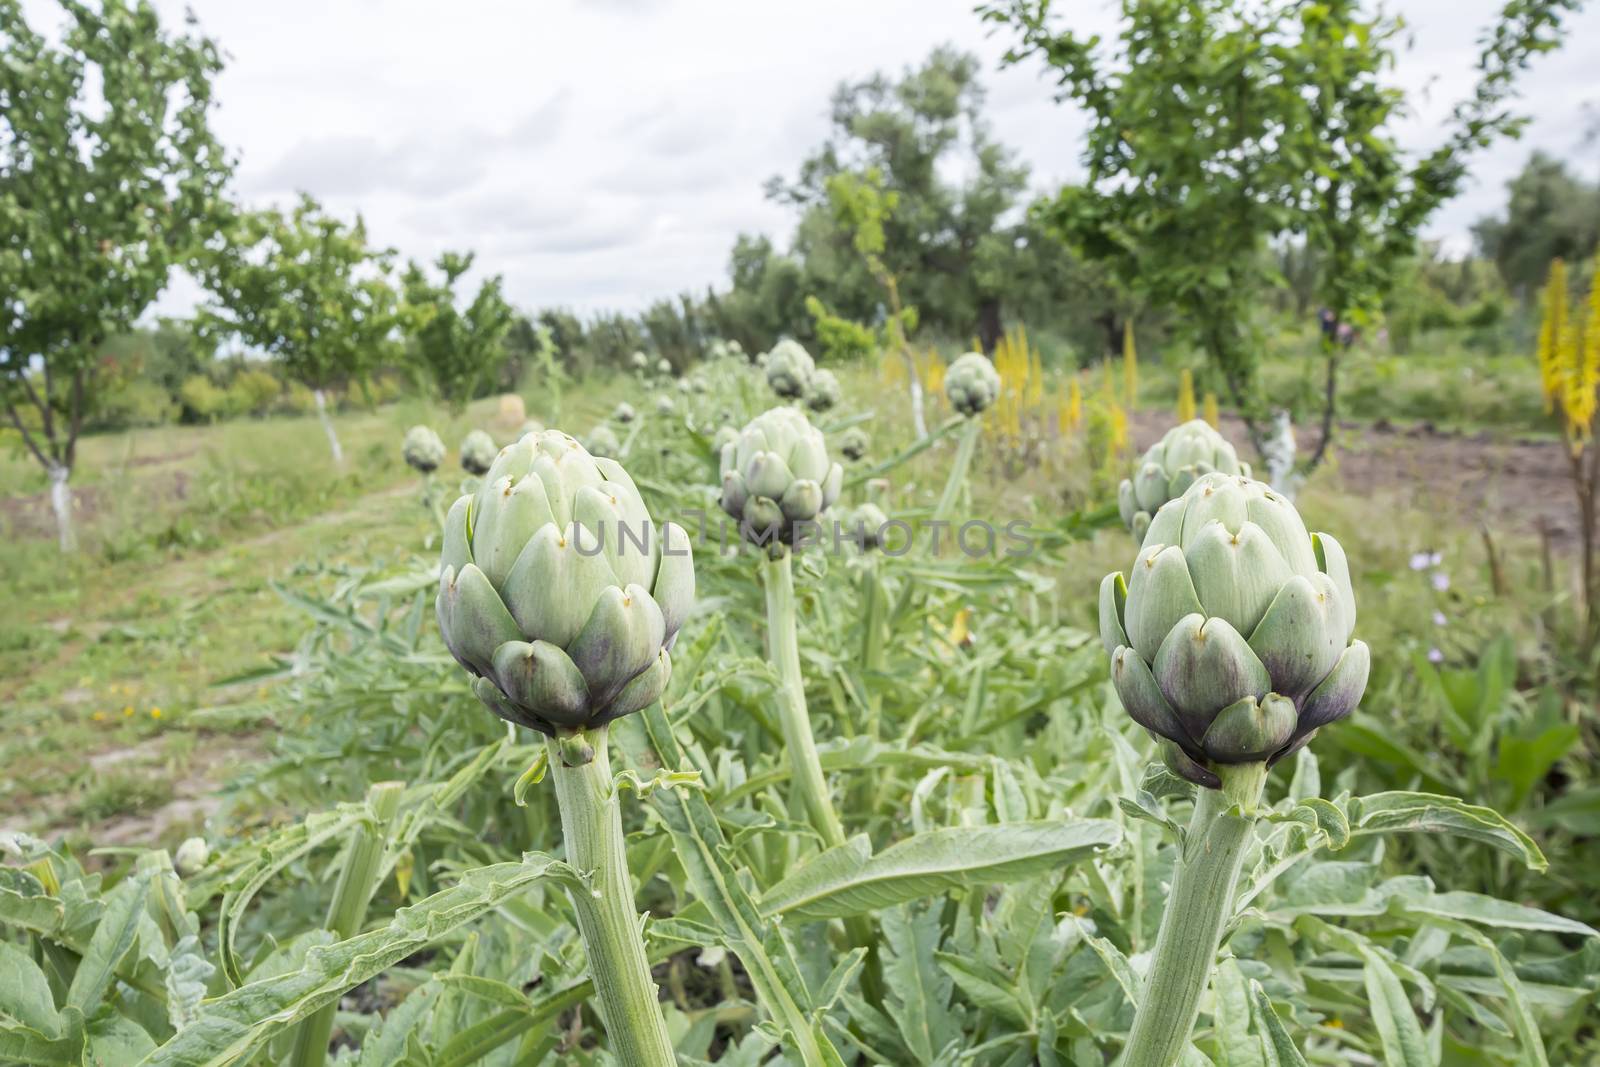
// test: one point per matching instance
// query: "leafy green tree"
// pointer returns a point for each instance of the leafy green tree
(109, 175)
(309, 290)
(766, 299)
(457, 348)
(1550, 214)
(948, 241)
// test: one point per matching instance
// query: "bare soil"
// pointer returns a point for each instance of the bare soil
(1513, 487)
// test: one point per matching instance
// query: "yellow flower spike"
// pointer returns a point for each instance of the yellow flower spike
(1074, 403)
(1212, 414)
(1185, 395)
(1130, 366)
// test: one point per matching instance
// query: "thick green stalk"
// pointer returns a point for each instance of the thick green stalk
(958, 469)
(783, 647)
(1200, 902)
(351, 895)
(591, 826)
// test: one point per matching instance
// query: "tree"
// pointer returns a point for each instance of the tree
(1218, 125)
(307, 289)
(109, 175)
(948, 241)
(1550, 214)
(458, 349)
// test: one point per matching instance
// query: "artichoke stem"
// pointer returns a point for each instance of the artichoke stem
(783, 648)
(591, 826)
(1204, 882)
(358, 878)
(958, 469)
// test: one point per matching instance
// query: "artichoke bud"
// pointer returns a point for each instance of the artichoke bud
(1230, 640)
(422, 449)
(790, 368)
(602, 442)
(556, 590)
(778, 474)
(854, 443)
(1169, 467)
(477, 452)
(624, 413)
(823, 392)
(971, 384)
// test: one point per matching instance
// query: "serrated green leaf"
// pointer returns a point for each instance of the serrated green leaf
(1403, 812)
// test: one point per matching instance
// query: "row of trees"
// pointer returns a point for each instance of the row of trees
(111, 176)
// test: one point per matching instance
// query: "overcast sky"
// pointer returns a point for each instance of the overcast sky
(604, 153)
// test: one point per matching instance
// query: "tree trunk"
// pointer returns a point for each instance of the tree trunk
(327, 426)
(1108, 321)
(989, 327)
(61, 503)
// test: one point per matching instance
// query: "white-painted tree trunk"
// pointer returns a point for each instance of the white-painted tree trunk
(1279, 454)
(918, 420)
(61, 503)
(327, 426)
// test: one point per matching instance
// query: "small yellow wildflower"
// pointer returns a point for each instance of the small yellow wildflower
(155, 713)
(127, 711)
(98, 716)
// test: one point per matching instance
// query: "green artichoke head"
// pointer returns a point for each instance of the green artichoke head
(638, 361)
(1230, 641)
(602, 441)
(477, 452)
(853, 443)
(1170, 466)
(663, 367)
(664, 405)
(868, 525)
(557, 591)
(823, 393)
(422, 449)
(778, 474)
(531, 426)
(725, 436)
(624, 413)
(790, 369)
(972, 384)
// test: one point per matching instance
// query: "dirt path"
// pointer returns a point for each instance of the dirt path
(1511, 486)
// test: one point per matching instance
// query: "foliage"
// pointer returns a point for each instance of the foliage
(306, 288)
(109, 175)
(458, 349)
(1549, 214)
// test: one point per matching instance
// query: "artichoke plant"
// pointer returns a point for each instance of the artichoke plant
(789, 369)
(778, 474)
(624, 413)
(602, 441)
(853, 443)
(557, 591)
(663, 367)
(664, 405)
(1170, 466)
(639, 361)
(823, 393)
(562, 599)
(1231, 641)
(422, 449)
(531, 426)
(972, 384)
(868, 525)
(725, 436)
(477, 452)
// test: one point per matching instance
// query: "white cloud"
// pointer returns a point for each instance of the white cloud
(606, 154)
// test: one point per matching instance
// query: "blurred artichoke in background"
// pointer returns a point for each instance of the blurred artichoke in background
(192, 854)
(663, 367)
(665, 406)
(1231, 641)
(972, 384)
(823, 392)
(789, 369)
(639, 361)
(725, 436)
(685, 386)
(853, 443)
(1170, 466)
(623, 413)
(531, 426)
(602, 441)
(867, 525)
(422, 449)
(778, 474)
(477, 452)
(558, 592)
